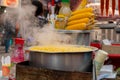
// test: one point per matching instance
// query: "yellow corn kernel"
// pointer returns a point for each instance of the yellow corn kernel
(80, 26)
(63, 48)
(84, 20)
(84, 10)
(80, 16)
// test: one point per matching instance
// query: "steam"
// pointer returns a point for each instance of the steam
(30, 29)
(48, 36)
(24, 16)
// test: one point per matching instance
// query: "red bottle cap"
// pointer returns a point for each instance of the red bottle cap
(19, 41)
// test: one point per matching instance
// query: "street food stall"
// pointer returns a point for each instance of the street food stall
(71, 44)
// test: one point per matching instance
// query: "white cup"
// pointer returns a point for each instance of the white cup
(99, 60)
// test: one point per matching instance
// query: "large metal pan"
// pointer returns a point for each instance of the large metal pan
(65, 61)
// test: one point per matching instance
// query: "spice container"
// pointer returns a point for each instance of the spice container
(60, 22)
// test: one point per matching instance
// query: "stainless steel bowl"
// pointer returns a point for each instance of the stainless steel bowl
(80, 37)
(65, 61)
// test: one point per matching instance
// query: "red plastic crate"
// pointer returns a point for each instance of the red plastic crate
(96, 44)
(114, 58)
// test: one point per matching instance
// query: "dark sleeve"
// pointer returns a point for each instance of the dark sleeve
(39, 6)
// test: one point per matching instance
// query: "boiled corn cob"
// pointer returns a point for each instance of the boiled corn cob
(84, 20)
(92, 20)
(80, 16)
(82, 11)
(82, 4)
(81, 26)
(90, 27)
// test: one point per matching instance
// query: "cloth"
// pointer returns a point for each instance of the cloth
(7, 45)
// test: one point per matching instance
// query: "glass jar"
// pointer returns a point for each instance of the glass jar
(60, 23)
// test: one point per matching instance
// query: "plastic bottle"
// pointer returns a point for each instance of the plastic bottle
(65, 9)
(18, 53)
